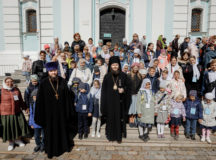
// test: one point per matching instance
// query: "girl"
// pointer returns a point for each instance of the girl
(143, 73)
(208, 122)
(172, 67)
(183, 62)
(154, 63)
(162, 109)
(145, 110)
(163, 60)
(95, 94)
(177, 112)
(125, 68)
(136, 81)
(136, 56)
(177, 85)
(26, 68)
(149, 55)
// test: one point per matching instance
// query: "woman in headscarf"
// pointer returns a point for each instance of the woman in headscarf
(160, 45)
(12, 118)
(115, 100)
(81, 72)
(135, 43)
(172, 67)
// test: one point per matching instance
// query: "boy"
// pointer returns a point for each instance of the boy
(83, 109)
(38, 131)
(154, 80)
(193, 109)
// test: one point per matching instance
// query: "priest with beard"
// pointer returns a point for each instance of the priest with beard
(54, 112)
(115, 100)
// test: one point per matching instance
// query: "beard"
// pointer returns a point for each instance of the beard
(54, 79)
(115, 72)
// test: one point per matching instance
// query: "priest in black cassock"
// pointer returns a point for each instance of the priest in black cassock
(115, 100)
(54, 112)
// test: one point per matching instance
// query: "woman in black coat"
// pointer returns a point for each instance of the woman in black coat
(193, 76)
(77, 41)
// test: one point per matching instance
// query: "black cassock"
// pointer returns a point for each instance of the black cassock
(55, 116)
(114, 106)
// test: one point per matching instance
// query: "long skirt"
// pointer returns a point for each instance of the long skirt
(14, 126)
(132, 109)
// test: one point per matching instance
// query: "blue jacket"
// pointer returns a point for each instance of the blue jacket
(32, 114)
(154, 83)
(193, 109)
(83, 101)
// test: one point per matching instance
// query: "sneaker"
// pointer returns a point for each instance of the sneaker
(93, 134)
(208, 140)
(141, 137)
(98, 135)
(11, 146)
(203, 139)
(193, 137)
(19, 143)
(187, 136)
(37, 148)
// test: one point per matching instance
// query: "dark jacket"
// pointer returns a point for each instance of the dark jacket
(175, 45)
(209, 55)
(193, 109)
(83, 99)
(135, 84)
(183, 46)
(207, 86)
(27, 95)
(38, 68)
(81, 43)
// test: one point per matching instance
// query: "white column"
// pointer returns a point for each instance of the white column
(212, 18)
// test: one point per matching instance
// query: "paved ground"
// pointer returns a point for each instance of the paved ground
(115, 153)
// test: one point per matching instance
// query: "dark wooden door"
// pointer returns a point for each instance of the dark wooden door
(112, 25)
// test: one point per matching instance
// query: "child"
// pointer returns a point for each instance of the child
(145, 110)
(177, 112)
(143, 73)
(89, 61)
(116, 50)
(136, 56)
(83, 109)
(72, 67)
(38, 131)
(194, 111)
(26, 67)
(32, 86)
(75, 87)
(163, 61)
(154, 63)
(208, 122)
(96, 73)
(125, 68)
(100, 46)
(154, 80)
(95, 94)
(69, 59)
(162, 109)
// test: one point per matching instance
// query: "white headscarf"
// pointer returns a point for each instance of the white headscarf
(96, 92)
(196, 72)
(148, 91)
(5, 86)
(146, 80)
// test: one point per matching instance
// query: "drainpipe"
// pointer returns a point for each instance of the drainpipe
(39, 25)
(188, 16)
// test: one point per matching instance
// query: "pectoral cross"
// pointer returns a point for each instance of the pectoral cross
(57, 96)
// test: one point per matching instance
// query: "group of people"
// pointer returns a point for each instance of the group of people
(80, 85)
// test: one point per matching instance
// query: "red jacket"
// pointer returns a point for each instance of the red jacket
(8, 106)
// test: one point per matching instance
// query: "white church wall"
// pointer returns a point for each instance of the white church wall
(212, 18)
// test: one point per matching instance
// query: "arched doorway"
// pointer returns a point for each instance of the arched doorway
(112, 25)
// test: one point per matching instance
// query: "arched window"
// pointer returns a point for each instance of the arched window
(31, 21)
(196, 20)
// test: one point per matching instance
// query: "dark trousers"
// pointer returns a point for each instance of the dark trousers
(39, 136)
(82, 123)
(191, 126)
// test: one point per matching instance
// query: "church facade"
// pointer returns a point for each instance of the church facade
(26, 25)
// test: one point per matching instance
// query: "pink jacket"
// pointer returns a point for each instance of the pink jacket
(163, 62)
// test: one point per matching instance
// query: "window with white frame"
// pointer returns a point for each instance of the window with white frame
(31, 21)
(196, 20)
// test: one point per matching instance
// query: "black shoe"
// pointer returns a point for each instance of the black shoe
(187, 136)
(80, 136)
(146, 138)
(37, 148)
(85, 135)
(119, 142)
(172, 135)
(41, 148)
(193, 137)
(141, 137)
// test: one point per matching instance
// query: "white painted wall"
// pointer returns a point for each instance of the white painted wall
(158, 18)
(67, 20)
(139, 25)
(212, 18)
